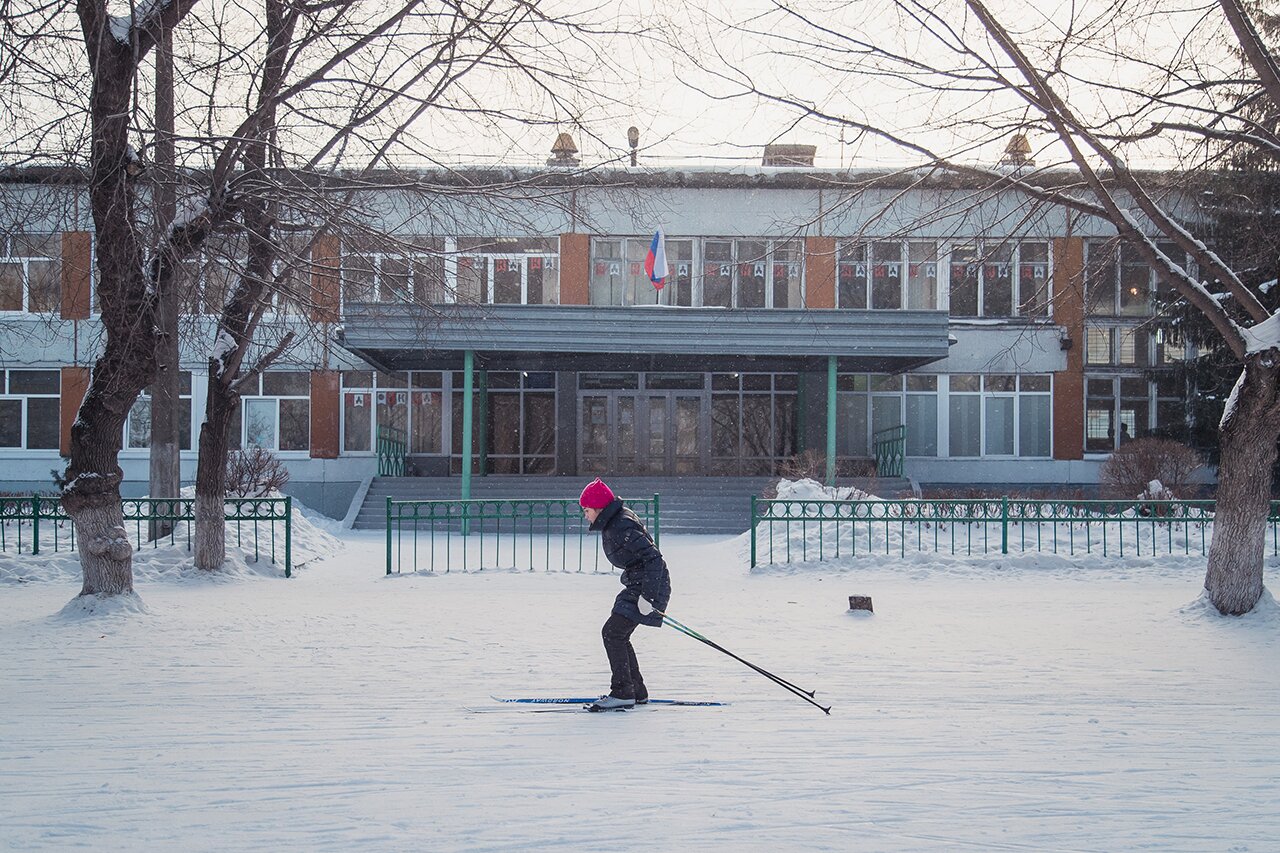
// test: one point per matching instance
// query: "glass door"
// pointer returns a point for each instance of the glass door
(607, 438)
(673, 433)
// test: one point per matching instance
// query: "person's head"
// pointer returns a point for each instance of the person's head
(595, 497)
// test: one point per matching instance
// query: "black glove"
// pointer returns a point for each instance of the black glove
(653, 620)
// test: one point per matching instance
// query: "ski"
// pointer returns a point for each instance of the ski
(538, 700)
(552, 708)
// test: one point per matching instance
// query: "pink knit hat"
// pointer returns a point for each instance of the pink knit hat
(596, 495)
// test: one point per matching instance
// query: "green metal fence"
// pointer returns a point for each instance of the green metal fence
(890, 446)
(547, 533)
(38, 524)
(785, 531)
(392, 450)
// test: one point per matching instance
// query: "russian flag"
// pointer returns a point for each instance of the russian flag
(655, 263)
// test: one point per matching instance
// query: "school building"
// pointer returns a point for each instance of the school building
(1002, 342)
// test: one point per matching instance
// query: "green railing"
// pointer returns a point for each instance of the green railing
(392, 449)
(890, 447)
(547, 533)
(38, 524)
(785, 531)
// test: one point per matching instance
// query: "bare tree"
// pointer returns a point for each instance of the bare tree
(281, 120)
(1107, 85)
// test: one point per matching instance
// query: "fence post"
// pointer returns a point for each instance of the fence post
(657, 521)
(35, 525)
(389, 534)
(1004, 525)
(753, 531)
(288, 536)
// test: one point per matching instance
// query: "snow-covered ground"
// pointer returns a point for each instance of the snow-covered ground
(991, 703)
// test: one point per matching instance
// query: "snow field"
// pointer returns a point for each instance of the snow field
(1015, 703)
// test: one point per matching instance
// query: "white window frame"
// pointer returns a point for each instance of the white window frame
(1018, 395)
(248, 399)
(1015, 262)
(25, 408)
(7, 257)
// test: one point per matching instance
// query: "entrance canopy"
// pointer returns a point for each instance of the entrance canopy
(580, 337)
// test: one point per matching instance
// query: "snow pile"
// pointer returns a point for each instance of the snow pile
(811, 490)
(1157, 491)
(1262, 336)
(872, 528)
(165, 562)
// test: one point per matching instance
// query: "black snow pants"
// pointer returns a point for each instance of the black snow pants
(626, 682)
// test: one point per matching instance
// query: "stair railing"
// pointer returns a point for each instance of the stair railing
(392, 449)
(891, 450)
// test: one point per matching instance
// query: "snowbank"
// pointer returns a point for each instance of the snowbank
(312, 540)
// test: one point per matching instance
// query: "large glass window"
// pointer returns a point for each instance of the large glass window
(137, 428)
(1000, 415)
(711, 272)
(1000, 279)
(894, 274)
(868, 404)
(753, 421)
(1119, 408)
(505, 271)
(29, 409)
(276, 412)
(31, 272)
(520, 423)
(408, 270)
(412, 403)
(1119, 282)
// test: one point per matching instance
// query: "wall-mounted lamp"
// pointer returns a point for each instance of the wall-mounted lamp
(633, 140)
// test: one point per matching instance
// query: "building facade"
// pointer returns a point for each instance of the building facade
(1011, 340)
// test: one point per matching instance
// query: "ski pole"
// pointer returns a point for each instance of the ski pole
(692, 633)
(782, 682)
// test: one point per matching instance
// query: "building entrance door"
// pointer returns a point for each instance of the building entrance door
(642, 432)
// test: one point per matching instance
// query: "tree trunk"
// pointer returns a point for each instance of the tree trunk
(165, 471)
(211, 473)
(1248, 439)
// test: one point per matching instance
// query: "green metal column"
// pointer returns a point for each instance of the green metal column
(831, 420)
(468, 371)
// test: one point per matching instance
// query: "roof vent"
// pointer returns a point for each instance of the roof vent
(564, 152)
(1018, 152)
(789, 155)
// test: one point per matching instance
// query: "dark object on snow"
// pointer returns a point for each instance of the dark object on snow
(861, 602)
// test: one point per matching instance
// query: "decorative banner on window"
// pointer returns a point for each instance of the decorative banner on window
(636, 269)
(779, 270)
(402, 398)
(465, 262)
(758, 270)
(895, 270)
(860, 270)
(726, 270)
(382, 398)
(426, 398)
(682, 269)
(535, 263)
(551, 263)
(615, 268)
(500, 264)
(929, 270)
(356, 400)
(744, 270)
(958, 271)
(600, 269)
(878, 271)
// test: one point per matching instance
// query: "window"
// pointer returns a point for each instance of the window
(1121, 346)
(209, 279)
(1004, 279)
(31, 273)
(1119, 282)
(29, 409)
(1120, 408)
(276, 412)
(413, 403)
(867, 404)
(506, 271)
(747, 273)
(898, 274)
(1000, 415)
(519, 421)
(410, 270)
(753, 421)
(137, 428)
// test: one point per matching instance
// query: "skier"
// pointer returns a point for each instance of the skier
(647, 583)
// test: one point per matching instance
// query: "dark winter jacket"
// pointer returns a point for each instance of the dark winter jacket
(629, 546)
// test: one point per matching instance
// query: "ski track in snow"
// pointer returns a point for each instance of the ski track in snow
(1067, 706)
